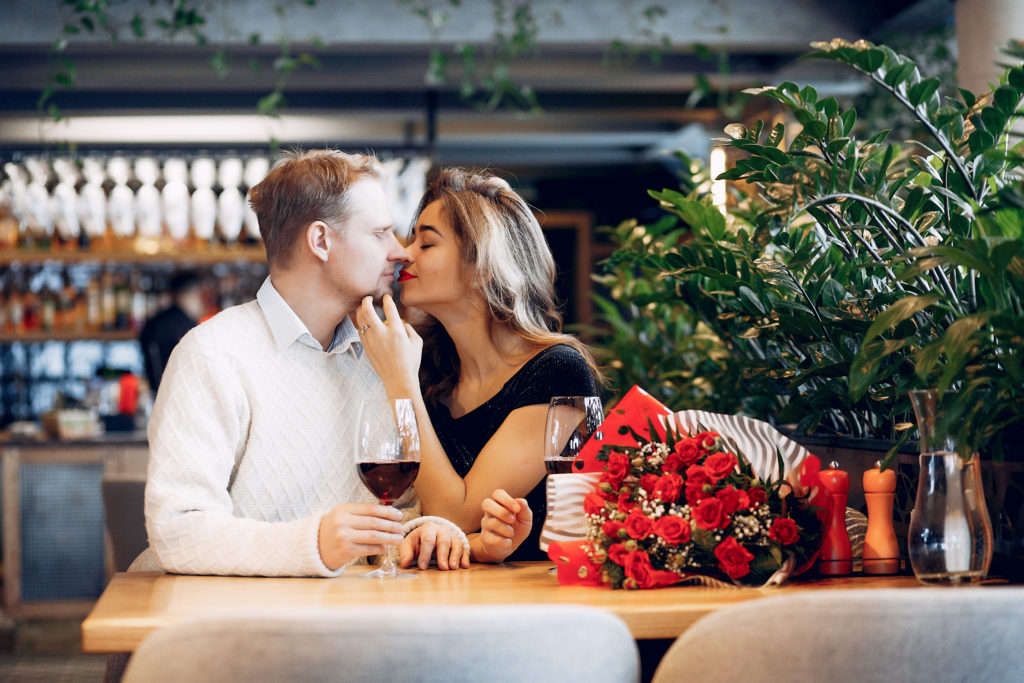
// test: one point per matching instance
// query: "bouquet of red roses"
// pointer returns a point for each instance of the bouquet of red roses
(665, 510)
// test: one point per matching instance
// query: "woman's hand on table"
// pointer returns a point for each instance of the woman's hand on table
(422, 543)
(352, 530)
(506, 524)
(392, 345)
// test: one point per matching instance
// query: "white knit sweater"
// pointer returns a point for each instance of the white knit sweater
(251, 442)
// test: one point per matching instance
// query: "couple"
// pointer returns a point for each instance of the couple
(251, 437)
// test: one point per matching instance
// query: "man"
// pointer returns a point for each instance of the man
(163, 331)
(252, 468)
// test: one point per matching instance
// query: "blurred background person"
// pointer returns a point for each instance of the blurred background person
(164, 330)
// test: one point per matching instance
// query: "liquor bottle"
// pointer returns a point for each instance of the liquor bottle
(93, 306)
(256, 169)
(123, 302)
(108, 301)
(72, 302)
(15, 310)
(121, 203)
(30, 302)
(92, 204)
(39, 216)
(47, 309)
(18, 198)
(176, 201)
(8, 223)
(65, 204)
(230, 203)
(149, 216)
(204, 201)
(139, 284)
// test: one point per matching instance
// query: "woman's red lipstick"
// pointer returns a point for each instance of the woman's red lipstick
(404, 275)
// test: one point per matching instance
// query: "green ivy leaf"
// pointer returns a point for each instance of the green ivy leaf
(778, 132)
(994, 120)
(748, 295)
(920, 92)
(1005, 99)
(1015, 77)
(980, 141)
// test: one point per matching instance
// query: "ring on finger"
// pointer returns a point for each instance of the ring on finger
(364, 328)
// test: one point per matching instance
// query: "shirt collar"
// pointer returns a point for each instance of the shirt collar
(287, 327)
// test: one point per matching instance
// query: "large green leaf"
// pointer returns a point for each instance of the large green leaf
(898, 312)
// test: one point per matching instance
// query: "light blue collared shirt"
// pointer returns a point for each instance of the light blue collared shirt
(287, 327)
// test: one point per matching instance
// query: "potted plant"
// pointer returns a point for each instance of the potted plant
(858, 268)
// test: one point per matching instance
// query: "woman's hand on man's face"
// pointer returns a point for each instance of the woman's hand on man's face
(393, 346)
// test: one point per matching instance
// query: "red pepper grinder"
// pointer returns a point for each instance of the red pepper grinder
(836, 557)
(881, 552)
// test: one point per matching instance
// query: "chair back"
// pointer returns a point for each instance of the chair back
(908, 635)
(392, 643)
(123, 503)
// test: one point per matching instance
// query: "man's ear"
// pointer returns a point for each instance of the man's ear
(319, 240)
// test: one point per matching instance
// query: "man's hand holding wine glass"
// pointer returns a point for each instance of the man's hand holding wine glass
(353, 530)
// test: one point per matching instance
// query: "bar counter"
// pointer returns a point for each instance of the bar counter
(134, 604)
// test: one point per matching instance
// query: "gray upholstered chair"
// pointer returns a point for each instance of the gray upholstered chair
(926, 635)
(529, 643)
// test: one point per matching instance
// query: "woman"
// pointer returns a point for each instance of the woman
(480, 270)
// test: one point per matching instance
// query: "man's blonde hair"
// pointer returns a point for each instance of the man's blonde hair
(304, 187)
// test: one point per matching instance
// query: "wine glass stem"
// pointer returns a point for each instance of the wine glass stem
(387, 564)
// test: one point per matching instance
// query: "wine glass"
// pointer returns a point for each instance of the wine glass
(387, 459)
(570, 422)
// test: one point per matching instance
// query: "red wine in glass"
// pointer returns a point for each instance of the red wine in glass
(558, 466)
(387, 459)
(388, 479)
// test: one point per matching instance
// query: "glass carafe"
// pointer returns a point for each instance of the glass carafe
(950, 537)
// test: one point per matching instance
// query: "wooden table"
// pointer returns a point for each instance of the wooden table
(135, 604)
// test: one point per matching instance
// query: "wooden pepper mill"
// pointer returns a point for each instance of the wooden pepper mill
(836, 557)
(881, 552)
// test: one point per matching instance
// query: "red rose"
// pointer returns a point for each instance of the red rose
(625, 502)
(593, 503)
(733, 499)
(647, 482)
(709, 514)
(696, 474)
(685, 454)
(733, 559)
(617, 553)
(638, 525)
(611, 529)
(720, 465)
(784, 531)
(673, 529)
(638, 567)
(673, 463)
(617, 468)
(641, 574)
(689, 449)
(707, 440)
(696, 479)
(757, 495)
(668, 487)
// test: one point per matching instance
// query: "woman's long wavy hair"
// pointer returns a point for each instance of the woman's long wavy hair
(506, 252)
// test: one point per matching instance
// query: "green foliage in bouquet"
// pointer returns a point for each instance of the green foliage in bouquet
(668, 509)
(862, 267)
